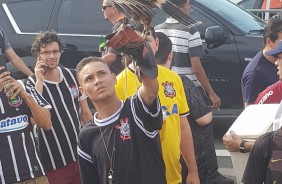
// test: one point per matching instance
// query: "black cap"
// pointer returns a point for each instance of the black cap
(275, 52)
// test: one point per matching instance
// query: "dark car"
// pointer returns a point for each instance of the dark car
(231, 37)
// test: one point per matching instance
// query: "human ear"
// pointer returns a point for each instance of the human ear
(81, 90)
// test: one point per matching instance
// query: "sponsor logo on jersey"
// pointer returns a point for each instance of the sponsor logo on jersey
(15, 102)
(14, 123)
(169, 110)
(74, 91)
(169, 91)
(124, 129)
(275, 160)
(265, 97)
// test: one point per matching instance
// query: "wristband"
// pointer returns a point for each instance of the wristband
(242, 147)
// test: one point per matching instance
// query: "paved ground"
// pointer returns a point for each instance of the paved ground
(223, 156)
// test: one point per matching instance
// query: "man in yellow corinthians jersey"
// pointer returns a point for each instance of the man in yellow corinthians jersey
(175, 135)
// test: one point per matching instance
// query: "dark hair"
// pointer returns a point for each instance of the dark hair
(86, 61)
(179, 3)
(165, 47)
(43, 39)
(271, 30)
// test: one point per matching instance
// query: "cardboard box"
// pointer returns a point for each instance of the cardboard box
(253, 122)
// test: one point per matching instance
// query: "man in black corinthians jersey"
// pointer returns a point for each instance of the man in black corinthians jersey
(19, 159)
(121, 144)
(59, 87)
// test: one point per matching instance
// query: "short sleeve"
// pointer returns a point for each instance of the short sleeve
(148, 119)
(272, 94)
(195, 43)
(255, 171)
(197, 104)
(87, 168)
(183, 105)
(252, 85)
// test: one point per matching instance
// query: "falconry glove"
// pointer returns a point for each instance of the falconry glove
(127, 41)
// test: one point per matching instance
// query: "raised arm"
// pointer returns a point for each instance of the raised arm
(203, 79)
(17, 62)
(149, 89)
(109, 58)
(40, 115)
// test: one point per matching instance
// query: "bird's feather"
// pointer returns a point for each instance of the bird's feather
(175, 12)
(141, 10)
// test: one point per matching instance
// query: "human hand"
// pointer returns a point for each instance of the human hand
(232, 142)
(40, 69)
(4, 78)
(193, 178)
(16, 89)
(102, 48)
(216, 101)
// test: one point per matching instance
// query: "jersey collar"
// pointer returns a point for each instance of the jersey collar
(110, 119)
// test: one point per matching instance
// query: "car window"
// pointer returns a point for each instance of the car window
(82, 17)
(206, 22)
(21, 12)
(240, 18)
(247, 4)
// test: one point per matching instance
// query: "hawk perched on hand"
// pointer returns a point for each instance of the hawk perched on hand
(128, 39)
(141, 11)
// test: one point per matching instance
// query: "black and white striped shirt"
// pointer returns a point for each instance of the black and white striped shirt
(58, 145)
(134, 130)
(186, 43)
(19, 159)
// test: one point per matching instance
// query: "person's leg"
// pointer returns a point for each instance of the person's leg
(209, 149)
(76, 177)
(214, 177)
(68, 174)
(199, 154)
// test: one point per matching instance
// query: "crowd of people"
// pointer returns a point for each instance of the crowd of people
(261, 84)
(152, 122)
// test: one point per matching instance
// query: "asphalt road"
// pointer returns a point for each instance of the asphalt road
(223, 156)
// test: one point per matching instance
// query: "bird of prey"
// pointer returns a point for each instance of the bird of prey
(127, 39)
(141, 10)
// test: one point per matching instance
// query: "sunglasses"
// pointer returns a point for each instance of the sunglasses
(105, 7)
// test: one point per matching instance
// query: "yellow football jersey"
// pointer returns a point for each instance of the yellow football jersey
(174, 104)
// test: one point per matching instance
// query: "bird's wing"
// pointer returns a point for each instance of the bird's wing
(176, 13)
(143, 8)
(137, 8)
